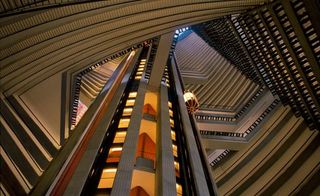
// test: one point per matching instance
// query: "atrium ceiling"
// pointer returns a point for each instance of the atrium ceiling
(45, 45)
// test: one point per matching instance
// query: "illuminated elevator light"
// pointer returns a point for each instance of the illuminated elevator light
(176, 165)
(175, 150)
(120, 137)
(107, 178)
(132, 94)
(171, 122)
(170, 113)
(173, 135)
(110, 170)
(130, 102)
(179, 189)
(124, 123)
(127, 112)
(115, 149)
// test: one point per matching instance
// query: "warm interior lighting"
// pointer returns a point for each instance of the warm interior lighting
(110, 171)
(148, 109)
(124, 123)
(179, 189)
(146, 147)
(145, 180)
(133, 95)
(121, 133)
(169, 104)
(174, 149)
(173, 135)
(127, 111)
(120, 136)
(107, 178)
(149, 127)
(130, 102)
(150, 103)
(176, 165)
(171, 122)
(170, 113)
(137, 77)
(115, 149)
(177, 168)
(114, 155)
(138, 191)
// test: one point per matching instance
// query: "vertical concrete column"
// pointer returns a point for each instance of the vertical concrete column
(195, 160)
(84, 165)
(64, 116)
(207, 163)
(165, 172)
(160, 60)
(123, 178)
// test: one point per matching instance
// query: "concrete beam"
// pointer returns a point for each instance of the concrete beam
(160, 60)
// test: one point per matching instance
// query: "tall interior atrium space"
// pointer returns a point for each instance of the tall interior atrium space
(160, 97)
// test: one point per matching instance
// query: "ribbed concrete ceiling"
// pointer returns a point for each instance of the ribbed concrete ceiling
(215, 81)
(14, 6)
(43, 41)
(39, 43)
(45, 38)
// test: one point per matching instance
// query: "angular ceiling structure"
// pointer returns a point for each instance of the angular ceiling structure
(218, 85)
(253, 64)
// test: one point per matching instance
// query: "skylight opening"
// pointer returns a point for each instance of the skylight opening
(181, 31)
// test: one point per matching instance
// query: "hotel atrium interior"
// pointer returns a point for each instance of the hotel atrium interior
(160, 97)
